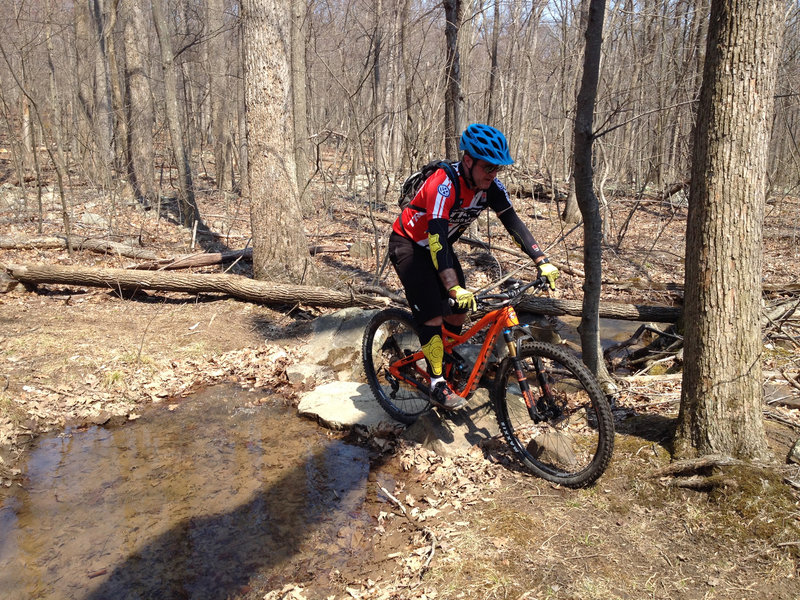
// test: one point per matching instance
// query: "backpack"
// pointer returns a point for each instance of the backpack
(414, 182)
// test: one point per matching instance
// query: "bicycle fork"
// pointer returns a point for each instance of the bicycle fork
(522, 379)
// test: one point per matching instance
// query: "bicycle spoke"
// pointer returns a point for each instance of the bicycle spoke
(390, 337)
(569, 439)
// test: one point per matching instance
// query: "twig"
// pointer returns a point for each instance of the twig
(419, 527)
(780, 419)
(667, 358)
(792, 482)
(792, 380)
(389, 495)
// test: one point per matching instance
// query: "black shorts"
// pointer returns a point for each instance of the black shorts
(424, 289)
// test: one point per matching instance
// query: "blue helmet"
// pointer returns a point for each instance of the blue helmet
(486, 142)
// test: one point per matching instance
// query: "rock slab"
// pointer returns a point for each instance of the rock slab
(343, 404)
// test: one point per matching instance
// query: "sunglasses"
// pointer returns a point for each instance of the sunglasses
(489, 168)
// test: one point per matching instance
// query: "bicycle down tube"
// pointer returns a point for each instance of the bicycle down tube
(496, 320)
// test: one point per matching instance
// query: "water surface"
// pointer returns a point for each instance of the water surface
(199, 502)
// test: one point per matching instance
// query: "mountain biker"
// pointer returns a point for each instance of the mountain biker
(421, 245)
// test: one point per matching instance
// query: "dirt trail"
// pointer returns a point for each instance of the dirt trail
(476, 527)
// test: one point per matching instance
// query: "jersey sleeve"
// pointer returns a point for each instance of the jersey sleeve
(497, 197)
(500, 202)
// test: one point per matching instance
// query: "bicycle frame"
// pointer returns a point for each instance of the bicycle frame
(499, 320)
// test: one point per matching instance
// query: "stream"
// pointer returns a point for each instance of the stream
(202, 499)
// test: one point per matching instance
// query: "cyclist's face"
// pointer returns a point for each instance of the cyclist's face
(483, 173)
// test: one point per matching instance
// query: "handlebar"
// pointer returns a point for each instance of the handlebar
(512, 289)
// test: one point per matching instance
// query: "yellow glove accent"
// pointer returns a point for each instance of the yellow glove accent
(434, 353)
(549, 272)
(434, 246)
(464, 298)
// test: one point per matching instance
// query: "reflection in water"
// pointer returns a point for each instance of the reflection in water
(612, 331)
(193, 503)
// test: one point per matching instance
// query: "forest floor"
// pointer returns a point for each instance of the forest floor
(82, 356)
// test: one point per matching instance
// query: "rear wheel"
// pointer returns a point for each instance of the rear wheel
(390, 336)
(569, 437)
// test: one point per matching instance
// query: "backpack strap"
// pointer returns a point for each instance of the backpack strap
(451, 173)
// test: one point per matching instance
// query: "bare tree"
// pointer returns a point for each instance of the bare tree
(454, 97)
(103, 114)
(491, 91)
(379, 115)
(280, 250)
(587, 200)
(138, 104)
(374, 108)
(722, 394)
(300, 101)
(220, 105)
(189, 211)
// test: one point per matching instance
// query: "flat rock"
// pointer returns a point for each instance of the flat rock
(344, 404)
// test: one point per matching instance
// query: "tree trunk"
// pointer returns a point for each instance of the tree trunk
(269, 292)
(220, 105)
(120, 126)
(138, 111)
(103, 116)
(572, 211)
(587, 200)
(189, 210)
(75, 242)
(300, 103)
(722, 393)
(379, 116)
(279, 241)
(453, 95)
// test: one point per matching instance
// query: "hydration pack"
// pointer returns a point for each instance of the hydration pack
(414, 182)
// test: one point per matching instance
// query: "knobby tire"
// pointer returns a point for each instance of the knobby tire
(389, 336)
(573, 441)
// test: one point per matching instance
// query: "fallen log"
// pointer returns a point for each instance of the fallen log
(201, 259)
(77, 243)
(626, 312)
(206, 259)
(265, 292)
(275, 293)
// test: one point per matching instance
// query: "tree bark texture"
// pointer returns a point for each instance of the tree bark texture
(722, 393)
(584, 191)
(176, 130)
(453, 95)
(138, 104)
(279, 241)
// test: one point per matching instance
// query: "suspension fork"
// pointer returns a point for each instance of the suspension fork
(512, 323)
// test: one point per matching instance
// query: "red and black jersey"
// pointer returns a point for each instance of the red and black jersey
(436, 200)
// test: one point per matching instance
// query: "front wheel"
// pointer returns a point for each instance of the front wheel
(568, 435)
(391, 336)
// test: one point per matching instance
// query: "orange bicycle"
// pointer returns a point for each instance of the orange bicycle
(550, 409)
